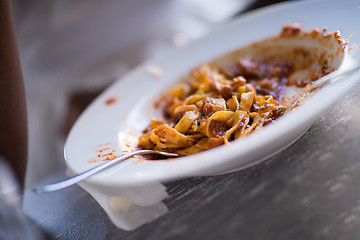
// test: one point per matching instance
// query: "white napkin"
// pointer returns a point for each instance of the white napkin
(130, 207)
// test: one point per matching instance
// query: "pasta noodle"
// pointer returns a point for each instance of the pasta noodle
(211, 109)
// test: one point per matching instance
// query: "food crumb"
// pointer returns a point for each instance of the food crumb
(155, 71)
(112, 100)
(93, 160)
(104, 153)
(110, 157)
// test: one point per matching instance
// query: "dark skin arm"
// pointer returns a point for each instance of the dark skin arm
(13, 119)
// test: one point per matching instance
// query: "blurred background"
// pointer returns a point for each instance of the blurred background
(71, 50)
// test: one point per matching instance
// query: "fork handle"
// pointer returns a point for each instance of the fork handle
(71, 181)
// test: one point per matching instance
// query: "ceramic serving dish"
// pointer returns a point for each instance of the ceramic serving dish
(112, 123)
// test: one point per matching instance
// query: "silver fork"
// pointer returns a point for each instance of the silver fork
(73, 180)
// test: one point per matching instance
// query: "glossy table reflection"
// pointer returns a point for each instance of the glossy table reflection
(308, 191)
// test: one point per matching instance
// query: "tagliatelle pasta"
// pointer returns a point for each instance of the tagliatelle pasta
(209, 110)
(216, 104)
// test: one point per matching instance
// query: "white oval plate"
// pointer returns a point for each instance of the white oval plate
(101, 127)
